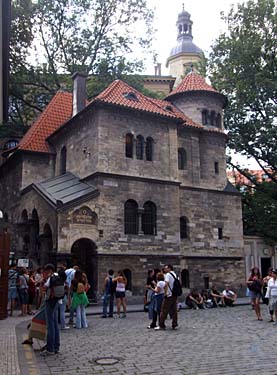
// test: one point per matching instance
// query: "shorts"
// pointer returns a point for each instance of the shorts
(23, 296)
(119, 294)
(12, 294)
(255, 295)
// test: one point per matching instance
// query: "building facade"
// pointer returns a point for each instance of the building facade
(127, 182)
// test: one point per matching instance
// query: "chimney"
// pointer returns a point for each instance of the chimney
(158, 69)
(79, 92)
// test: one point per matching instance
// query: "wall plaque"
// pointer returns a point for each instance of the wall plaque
(84, 215)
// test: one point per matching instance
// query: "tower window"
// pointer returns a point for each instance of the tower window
(149, 148)
(139, 147)
(212, 118)
(205, 117)
(129, 140)
(218, 120)
(216, 167)
(182, 159)
(220, 233)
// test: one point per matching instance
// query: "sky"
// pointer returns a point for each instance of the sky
(207, 24)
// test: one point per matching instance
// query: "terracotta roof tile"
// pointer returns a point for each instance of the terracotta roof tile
(192, 82)
(121, 94)
(57, 112)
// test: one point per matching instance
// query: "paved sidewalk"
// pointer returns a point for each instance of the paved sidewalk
(10, 354)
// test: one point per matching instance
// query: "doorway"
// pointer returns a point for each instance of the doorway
(265, 265)
(84, 255)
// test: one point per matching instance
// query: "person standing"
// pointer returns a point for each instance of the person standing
(70, 273)
(272, 293)
(265, 293)
(51, 310)
(12, 291)
(80, 299)
(121, 282)
(157, 300)
(255, 284)
(169, 303)
(23, 291)
(108, 296)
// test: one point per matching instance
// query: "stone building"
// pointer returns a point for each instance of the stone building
(128, 182)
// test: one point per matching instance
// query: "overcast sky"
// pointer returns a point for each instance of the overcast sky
(207, 24)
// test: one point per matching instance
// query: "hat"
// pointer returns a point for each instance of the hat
(274, 270)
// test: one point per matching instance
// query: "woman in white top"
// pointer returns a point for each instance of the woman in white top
(272, 293)
(158, 299)
(121, 282)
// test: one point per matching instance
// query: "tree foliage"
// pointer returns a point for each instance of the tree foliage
(243, 65)
(64, 36)
(260, 212)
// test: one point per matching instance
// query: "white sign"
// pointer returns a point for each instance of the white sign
(23, 263)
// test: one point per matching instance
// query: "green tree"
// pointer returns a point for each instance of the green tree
(94, 36)
(260, 212)
(243, 65)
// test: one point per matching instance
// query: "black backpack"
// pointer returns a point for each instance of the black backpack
(177, 288)
(57, 287)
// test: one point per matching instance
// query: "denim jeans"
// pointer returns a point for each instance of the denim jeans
(108, 299)
(62, 307)
(53, 333)
(81, 319)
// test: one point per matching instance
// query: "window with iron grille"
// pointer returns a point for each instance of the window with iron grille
(131, 217)
(149, 218)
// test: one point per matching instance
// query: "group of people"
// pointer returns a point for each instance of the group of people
(263, 288)
(210, 298)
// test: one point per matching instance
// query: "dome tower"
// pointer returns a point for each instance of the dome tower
(185, 53)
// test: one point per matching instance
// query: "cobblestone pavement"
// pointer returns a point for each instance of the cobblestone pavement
(212, 342)
(8, 348)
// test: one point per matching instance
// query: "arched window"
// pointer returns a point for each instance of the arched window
(149, 148)
(129, 141)
(63, 160)
(218, 120)
(212, 118)
(6, 217)
(139, 147)
(183, 227)
(182, 159)
(131, 217)
(149, 218)
(24, 216)
(185, 28)
(205, 117)
(185, 278)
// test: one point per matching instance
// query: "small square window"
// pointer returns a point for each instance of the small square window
(216, 168)
(220, 233)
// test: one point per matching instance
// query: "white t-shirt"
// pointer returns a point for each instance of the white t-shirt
(170, 281)
(161, 285)
(228, 293)
(272, 287)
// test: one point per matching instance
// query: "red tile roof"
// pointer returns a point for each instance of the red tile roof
(118, 93)
(57, 112)
(192, 82)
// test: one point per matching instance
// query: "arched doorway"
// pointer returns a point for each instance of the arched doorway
(128, 275)
(84, 255)
(45, 245)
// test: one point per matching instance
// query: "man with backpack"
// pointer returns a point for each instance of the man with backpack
(169, 304)
(12, 289)
(54, 292)
(108, 296)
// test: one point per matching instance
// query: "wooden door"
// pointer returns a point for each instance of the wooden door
(4, 267)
